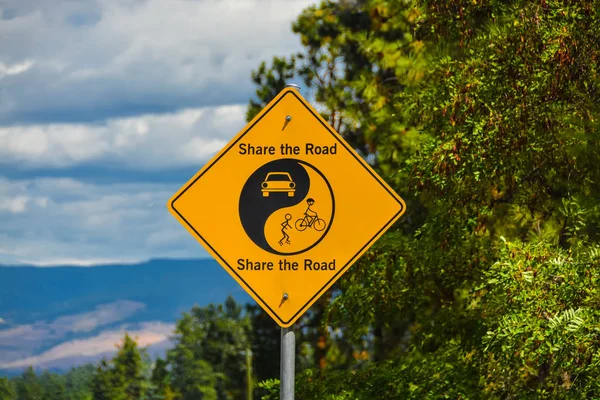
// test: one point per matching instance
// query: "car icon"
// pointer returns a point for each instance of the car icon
(278, 182)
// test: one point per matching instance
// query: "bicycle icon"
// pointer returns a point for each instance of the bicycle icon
(310, 222)
(311, 219)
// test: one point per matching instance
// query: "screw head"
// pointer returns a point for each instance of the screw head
(285, 296)
(288, 118)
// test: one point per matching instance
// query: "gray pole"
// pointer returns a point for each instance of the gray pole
(288, 361)
(288, 347)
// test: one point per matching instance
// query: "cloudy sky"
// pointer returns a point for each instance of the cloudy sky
(108, 106)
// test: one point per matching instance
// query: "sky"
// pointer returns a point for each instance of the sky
(107, 107)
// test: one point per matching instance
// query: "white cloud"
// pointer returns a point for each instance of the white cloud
(76, 222)
(93, 58)
(23, 340)
(104, 314)
(148, 334)
(73, 261)
(20, 334)
(14, 69)
(186, 137)
(15, 205)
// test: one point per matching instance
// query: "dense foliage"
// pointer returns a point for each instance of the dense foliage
(484, 115)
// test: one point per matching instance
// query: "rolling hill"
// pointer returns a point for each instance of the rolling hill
(58, 317)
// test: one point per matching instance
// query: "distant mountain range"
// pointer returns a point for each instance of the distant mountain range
(59, 317)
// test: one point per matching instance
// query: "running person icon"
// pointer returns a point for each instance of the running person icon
(285, 225)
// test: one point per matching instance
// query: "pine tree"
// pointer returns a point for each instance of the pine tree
(128, 367)
(54, 386)
(78, 382)
(122, 378)
(28, 386)
(104, 384)
(161, 381)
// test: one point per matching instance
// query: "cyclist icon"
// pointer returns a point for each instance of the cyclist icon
(311, 219)
(285, 225)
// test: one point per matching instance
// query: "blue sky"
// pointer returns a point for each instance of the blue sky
(107, 107)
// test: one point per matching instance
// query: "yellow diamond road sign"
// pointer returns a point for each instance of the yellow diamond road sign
(286, 207)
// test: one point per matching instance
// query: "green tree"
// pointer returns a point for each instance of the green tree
(351, 62)
(54, 385)
(28, 386)
(7, 390)
(105, 386)
(265, 342)
(209, 353)
(78, 382)
(123, 376)
(335, 73)
(161, 381)
(128, 369)
(484, 117)
(193, 377)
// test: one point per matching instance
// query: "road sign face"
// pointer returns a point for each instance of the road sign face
(286, 207)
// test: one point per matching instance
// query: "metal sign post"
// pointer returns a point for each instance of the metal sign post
(288, 361)
(287, 369)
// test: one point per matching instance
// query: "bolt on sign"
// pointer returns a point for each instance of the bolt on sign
(286, 207)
